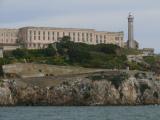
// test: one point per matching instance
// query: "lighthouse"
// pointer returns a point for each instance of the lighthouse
(131, 41)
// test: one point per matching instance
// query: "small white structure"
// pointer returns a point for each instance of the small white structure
(148, 51)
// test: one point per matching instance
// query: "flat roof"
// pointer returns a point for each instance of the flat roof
(67, 29)
(77, 29)
(51, 28)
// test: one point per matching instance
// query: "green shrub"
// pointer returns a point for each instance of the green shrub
(67, 52)
(143, 87)
(150, 59)
(20, 53)
(118, 79)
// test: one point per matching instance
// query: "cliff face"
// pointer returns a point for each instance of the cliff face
(82, 90)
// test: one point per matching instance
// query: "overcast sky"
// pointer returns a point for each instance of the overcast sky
(103, 15)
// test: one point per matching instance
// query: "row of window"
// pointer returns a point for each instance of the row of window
(7, 41)
(98, 37)
(53, 38)
(9, 34)
(100, 41)
(34, 45)
(73, 39)
(35, 33)
(118, 38)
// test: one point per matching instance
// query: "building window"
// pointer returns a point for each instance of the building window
(115, 38)
(63, 33)
(87, 39)
(39, 33)
(87, 34)
(30, 38)
(34, 32)
(83, 40)
(57, 34)
(82, 34)
(97, 37)
(34, 37)
(101, 37)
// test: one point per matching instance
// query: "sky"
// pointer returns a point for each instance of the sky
(102, 15)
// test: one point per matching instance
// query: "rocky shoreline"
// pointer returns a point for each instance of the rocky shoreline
(93, 89)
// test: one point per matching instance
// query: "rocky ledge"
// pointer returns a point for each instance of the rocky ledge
(98, 88)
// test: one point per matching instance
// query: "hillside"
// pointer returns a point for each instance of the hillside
(66, 52)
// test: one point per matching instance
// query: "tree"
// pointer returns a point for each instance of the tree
(79, 55)
(64, 45)
(50, 51)
(108, 48)
(20, 53)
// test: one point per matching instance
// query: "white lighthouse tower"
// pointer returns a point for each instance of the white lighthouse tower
(131, 41)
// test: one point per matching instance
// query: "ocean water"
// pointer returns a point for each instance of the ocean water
(80, 113)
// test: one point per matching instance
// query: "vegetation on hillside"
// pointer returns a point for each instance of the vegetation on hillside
(154, 63)
(115, 79)
(67, 52)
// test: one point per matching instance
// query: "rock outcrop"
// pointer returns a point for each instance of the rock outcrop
(86, 89)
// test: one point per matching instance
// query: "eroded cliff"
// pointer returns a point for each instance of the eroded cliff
(100, 88)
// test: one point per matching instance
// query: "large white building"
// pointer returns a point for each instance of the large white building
(40, 37)
(8, 36)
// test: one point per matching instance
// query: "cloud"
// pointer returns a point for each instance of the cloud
(114, 20)
(109, 15)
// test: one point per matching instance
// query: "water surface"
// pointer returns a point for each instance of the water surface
(80, 113)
